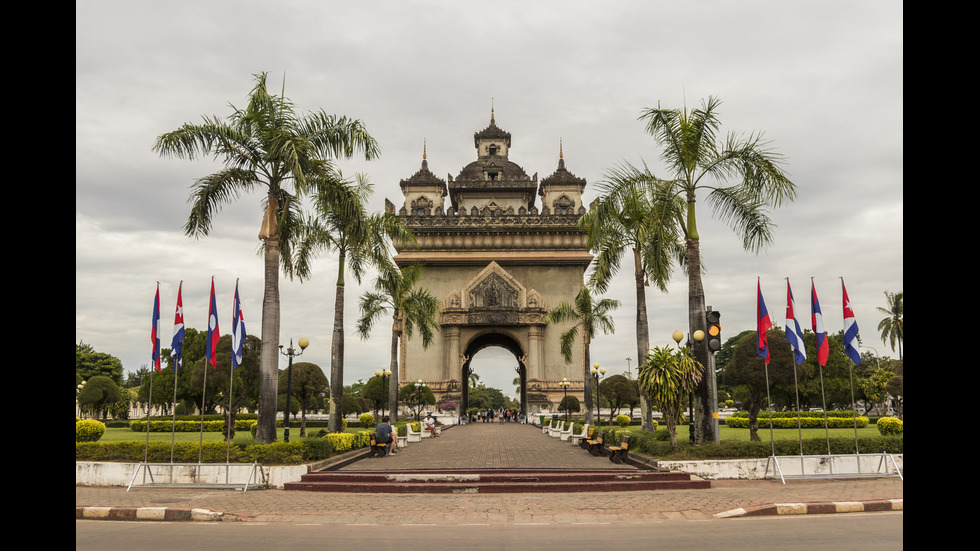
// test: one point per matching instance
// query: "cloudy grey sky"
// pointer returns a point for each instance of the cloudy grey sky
(822, 79)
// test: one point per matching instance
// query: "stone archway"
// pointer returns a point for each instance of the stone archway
(499, 259)
(488, 339)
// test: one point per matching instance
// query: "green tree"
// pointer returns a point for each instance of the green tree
(569, 403)
(629, 218)
(587, 316)
(89, 363)
(748, 369)
(360, 241)
(267, 146)
(98, 394)
(892, 327)
(619, 392)
(412, 309)
(668, 376)
(308, 384)
(409, 394)
(698, 162)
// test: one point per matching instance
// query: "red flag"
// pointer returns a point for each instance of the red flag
(155, 330)
(211, 344)
(823, 348)
(764, 323)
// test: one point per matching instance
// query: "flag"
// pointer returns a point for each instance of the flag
(177, 344)
(823, 346)
(793, 332)
(211, 342)
(763, 324)
(851, 345)
(237, 331)
(155, 330)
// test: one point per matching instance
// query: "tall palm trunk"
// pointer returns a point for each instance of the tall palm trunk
(337, 354)
(587, 358)
(704, 427)
(265, 430)
(393, 380)
(642, 335)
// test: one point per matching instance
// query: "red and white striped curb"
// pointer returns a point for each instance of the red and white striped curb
(146, 513)
(817, 508)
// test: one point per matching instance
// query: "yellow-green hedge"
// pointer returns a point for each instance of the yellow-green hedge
(190, 426)
(88, 430)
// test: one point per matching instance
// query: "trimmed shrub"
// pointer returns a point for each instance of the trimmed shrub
(623, 420)
(89, 430)
(367, 420)
(890, 426)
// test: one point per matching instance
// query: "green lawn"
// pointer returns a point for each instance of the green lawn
(127, 435)
(728, 433)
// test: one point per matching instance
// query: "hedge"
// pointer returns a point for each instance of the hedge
(806, 419)
(191, 426)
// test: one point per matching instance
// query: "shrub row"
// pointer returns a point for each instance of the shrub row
(190, 426)
(807, 422)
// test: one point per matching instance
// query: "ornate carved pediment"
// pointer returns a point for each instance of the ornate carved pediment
(494, 289)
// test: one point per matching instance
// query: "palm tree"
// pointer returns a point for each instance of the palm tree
(668, 376)
(698, 162)
(587, 316)
(412, 309)
(267, 146)
(360, 241)
(892, 327)
(643, 221)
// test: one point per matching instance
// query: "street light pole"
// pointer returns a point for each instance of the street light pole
(597, 372)
(384, 387)
(290, 353)
(698, 336)
(564, 384)
(418, 387)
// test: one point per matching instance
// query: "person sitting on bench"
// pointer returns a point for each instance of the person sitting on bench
(386, 435)
(430, 425)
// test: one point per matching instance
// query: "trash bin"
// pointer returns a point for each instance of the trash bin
(542, 419)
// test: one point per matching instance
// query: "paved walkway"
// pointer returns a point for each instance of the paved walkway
(489, 446)
(512, 445)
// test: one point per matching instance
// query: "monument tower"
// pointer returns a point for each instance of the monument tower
(499, 262)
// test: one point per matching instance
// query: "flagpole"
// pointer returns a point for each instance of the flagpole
(791, 307)
(155, 356)
(149, 404)
(758, 338)
(850, 368)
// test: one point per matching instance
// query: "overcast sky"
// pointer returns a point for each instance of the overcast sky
(822, 79)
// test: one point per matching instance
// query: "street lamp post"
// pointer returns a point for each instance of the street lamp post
(418, 387)
(290, 353)
(384, 387)
(564, 383)
(597, 372)
(698, 336)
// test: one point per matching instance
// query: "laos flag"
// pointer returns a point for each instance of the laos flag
(211, 342)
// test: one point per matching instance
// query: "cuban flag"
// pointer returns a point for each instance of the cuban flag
(764, 323)
(211, 342)
(177, 344)
(155, 330)
(793, 332)
(237, 331)
(816, 317)
(851, 345)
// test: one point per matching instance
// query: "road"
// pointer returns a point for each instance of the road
(842, 532)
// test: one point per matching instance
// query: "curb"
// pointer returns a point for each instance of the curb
(818, 508)
(148, 513)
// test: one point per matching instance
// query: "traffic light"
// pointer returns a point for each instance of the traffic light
(714, 330)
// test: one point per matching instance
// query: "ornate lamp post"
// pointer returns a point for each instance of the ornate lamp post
(291, 353)
(597, 372)
(418, 388)
(698, 336)
(565, 383)
(383, 373)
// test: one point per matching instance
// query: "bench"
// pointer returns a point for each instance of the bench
(377, 449)
(620, 453)
(579, 438)
(583, 443)
(566, 433)
(411, 435)
(595, 444)
(548, 427)
(556, 430)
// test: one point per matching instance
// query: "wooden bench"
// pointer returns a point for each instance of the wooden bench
(620, 453)
(594, 444)
(583, 443)
(579, 438)
(378, 449)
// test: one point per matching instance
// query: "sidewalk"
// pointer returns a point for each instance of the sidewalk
(492, 446)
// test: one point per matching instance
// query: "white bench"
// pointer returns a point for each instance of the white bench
(557, 430)
(578, 438)
(546, 428)
(566, 433)
(412, 436)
